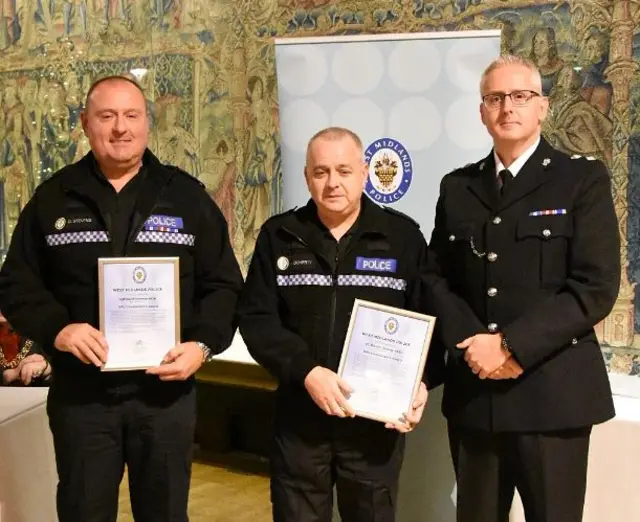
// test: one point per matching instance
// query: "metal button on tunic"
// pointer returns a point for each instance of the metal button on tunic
(492, 292)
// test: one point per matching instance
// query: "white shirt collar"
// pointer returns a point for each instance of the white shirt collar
(517, 165)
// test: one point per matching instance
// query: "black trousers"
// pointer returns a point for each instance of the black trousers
(94, 437)
(313, 452)
(549, 470)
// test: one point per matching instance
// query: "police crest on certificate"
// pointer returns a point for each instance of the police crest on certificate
(383, 359)
(139, 310)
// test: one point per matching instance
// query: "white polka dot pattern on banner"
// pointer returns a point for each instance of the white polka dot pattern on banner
(463, 68)
(300, 120)
(414, 66)
(468, 133)
(423, 93)
(357, 67)
(415, 122)
(361, 115)
(311, 68)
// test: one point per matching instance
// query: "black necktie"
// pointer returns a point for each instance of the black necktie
(505, 178)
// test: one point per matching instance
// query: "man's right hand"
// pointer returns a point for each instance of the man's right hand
(329, 392)
(509, 370)
(83, 341)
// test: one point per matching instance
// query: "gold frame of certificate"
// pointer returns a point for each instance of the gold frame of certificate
(139, 310)
(383, 359)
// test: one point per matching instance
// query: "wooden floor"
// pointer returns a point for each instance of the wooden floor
(219, 493)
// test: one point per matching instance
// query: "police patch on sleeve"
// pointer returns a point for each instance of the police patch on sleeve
(390, 170)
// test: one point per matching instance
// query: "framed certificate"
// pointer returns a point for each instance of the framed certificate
(139, 310)
(383, 359)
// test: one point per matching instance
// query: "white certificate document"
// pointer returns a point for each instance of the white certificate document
(139, 310)
(383, 359)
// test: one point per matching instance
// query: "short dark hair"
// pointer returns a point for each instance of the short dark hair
(112, 78)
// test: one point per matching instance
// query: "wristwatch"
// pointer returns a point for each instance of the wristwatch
(207, 354)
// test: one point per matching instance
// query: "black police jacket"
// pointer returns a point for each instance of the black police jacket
(295, 309)
(541, 265)
(50, 276)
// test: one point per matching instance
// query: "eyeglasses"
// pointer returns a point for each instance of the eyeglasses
(495, 100)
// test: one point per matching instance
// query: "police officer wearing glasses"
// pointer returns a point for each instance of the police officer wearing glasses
(523, 263)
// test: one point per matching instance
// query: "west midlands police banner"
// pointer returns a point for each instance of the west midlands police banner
(412, 98)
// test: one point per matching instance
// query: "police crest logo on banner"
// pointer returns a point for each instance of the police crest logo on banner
(390, 170)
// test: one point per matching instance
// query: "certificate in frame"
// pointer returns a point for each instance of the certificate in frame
(383, 359)
(139, 309)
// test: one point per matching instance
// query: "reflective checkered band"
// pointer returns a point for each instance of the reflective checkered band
(166, 237)
(372, 280)
(303, 280)
(67, 238)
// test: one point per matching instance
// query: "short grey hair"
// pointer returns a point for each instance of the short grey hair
(510, 59)
(336, 133)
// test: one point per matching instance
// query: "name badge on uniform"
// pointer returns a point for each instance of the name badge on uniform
(163, 223)
(376, 264)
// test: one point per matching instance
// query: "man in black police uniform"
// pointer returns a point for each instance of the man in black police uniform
(106, 206)
(294, 314)
(524, 261)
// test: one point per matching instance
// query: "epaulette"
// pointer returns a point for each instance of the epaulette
(479, 164)
(282, 214)
(55, 175)
(401, 214)
(185, 173)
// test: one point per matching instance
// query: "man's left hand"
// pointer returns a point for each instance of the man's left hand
(484, 353)
(411, 419)
(180, 363)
